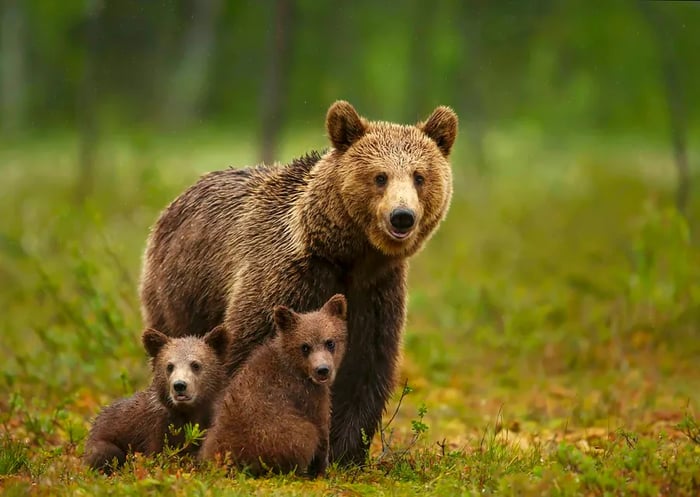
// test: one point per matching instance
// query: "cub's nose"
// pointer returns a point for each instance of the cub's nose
(180, 386)
(402, 219)
(323, 371)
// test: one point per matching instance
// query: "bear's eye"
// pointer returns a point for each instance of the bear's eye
(305, 349)
(330, 345)
(195, 366)
(380, 179)
(170, 367)
(418, 178)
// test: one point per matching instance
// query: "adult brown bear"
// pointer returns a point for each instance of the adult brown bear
(240, 241)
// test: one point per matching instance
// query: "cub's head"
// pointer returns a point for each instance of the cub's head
(396, 180)
(187, 372)
(313, 343)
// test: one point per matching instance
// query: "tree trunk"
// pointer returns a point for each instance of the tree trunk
(420, 62)
(469, 98)
(12, 64)
(673, 90)
(276, 82)
(87, 100)
(187, 88)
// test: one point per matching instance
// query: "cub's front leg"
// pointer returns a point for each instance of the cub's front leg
(319, 463)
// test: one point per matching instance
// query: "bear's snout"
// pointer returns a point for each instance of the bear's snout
(402, 220)
(322, 373)
(182, 392)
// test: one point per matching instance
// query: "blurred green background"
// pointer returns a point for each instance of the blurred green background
(560, 69)
(563, 289)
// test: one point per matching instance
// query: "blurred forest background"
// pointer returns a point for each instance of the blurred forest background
(562, 68)
(552, 331)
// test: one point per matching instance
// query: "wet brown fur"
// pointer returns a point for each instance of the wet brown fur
(275, 415)
(141, 422)
(240, 241)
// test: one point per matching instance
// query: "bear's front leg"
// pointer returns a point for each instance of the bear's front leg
(353, 428)
(365, 379)
(319, 463)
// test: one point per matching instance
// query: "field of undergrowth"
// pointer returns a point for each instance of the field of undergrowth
(552, 344)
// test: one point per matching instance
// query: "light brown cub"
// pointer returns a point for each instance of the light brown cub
(188, 375)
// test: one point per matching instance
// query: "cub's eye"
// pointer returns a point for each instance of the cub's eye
(170, 367)
(380, 179)
(305, 349)
(195, 366)
(330, 345)
(418, 178)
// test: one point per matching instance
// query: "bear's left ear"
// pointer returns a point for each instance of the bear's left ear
(442, 126)
(344, 125)
(218, 339)
(285, 318)
(337, 306)
(153, 341)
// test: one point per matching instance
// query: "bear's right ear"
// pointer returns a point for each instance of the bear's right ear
(285, 318)
(218, 339)
(153, 341)
(344, 125)
(337, 306)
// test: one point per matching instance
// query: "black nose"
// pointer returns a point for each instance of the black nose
(402, 219)
(180, 386)
(322, 371)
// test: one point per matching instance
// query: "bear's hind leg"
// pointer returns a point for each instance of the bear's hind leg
(101, 454)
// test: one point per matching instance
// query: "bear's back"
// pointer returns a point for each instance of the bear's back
(133, 424)
(266, 381)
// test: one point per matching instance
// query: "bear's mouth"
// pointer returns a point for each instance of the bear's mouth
(400, 235)
(181, 398)
(397, 234)
(322, 380)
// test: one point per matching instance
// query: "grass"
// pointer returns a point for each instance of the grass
(551, 346)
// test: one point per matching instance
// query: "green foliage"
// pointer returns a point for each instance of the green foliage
(664, 264)
(690, 426)
(192, 436)
(417, 425)
(13, 456)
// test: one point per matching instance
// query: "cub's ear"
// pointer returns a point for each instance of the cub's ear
(442, 126)
(285, 318)
(344, 125)
(337, 306)
(218, 339)
(153, 341)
